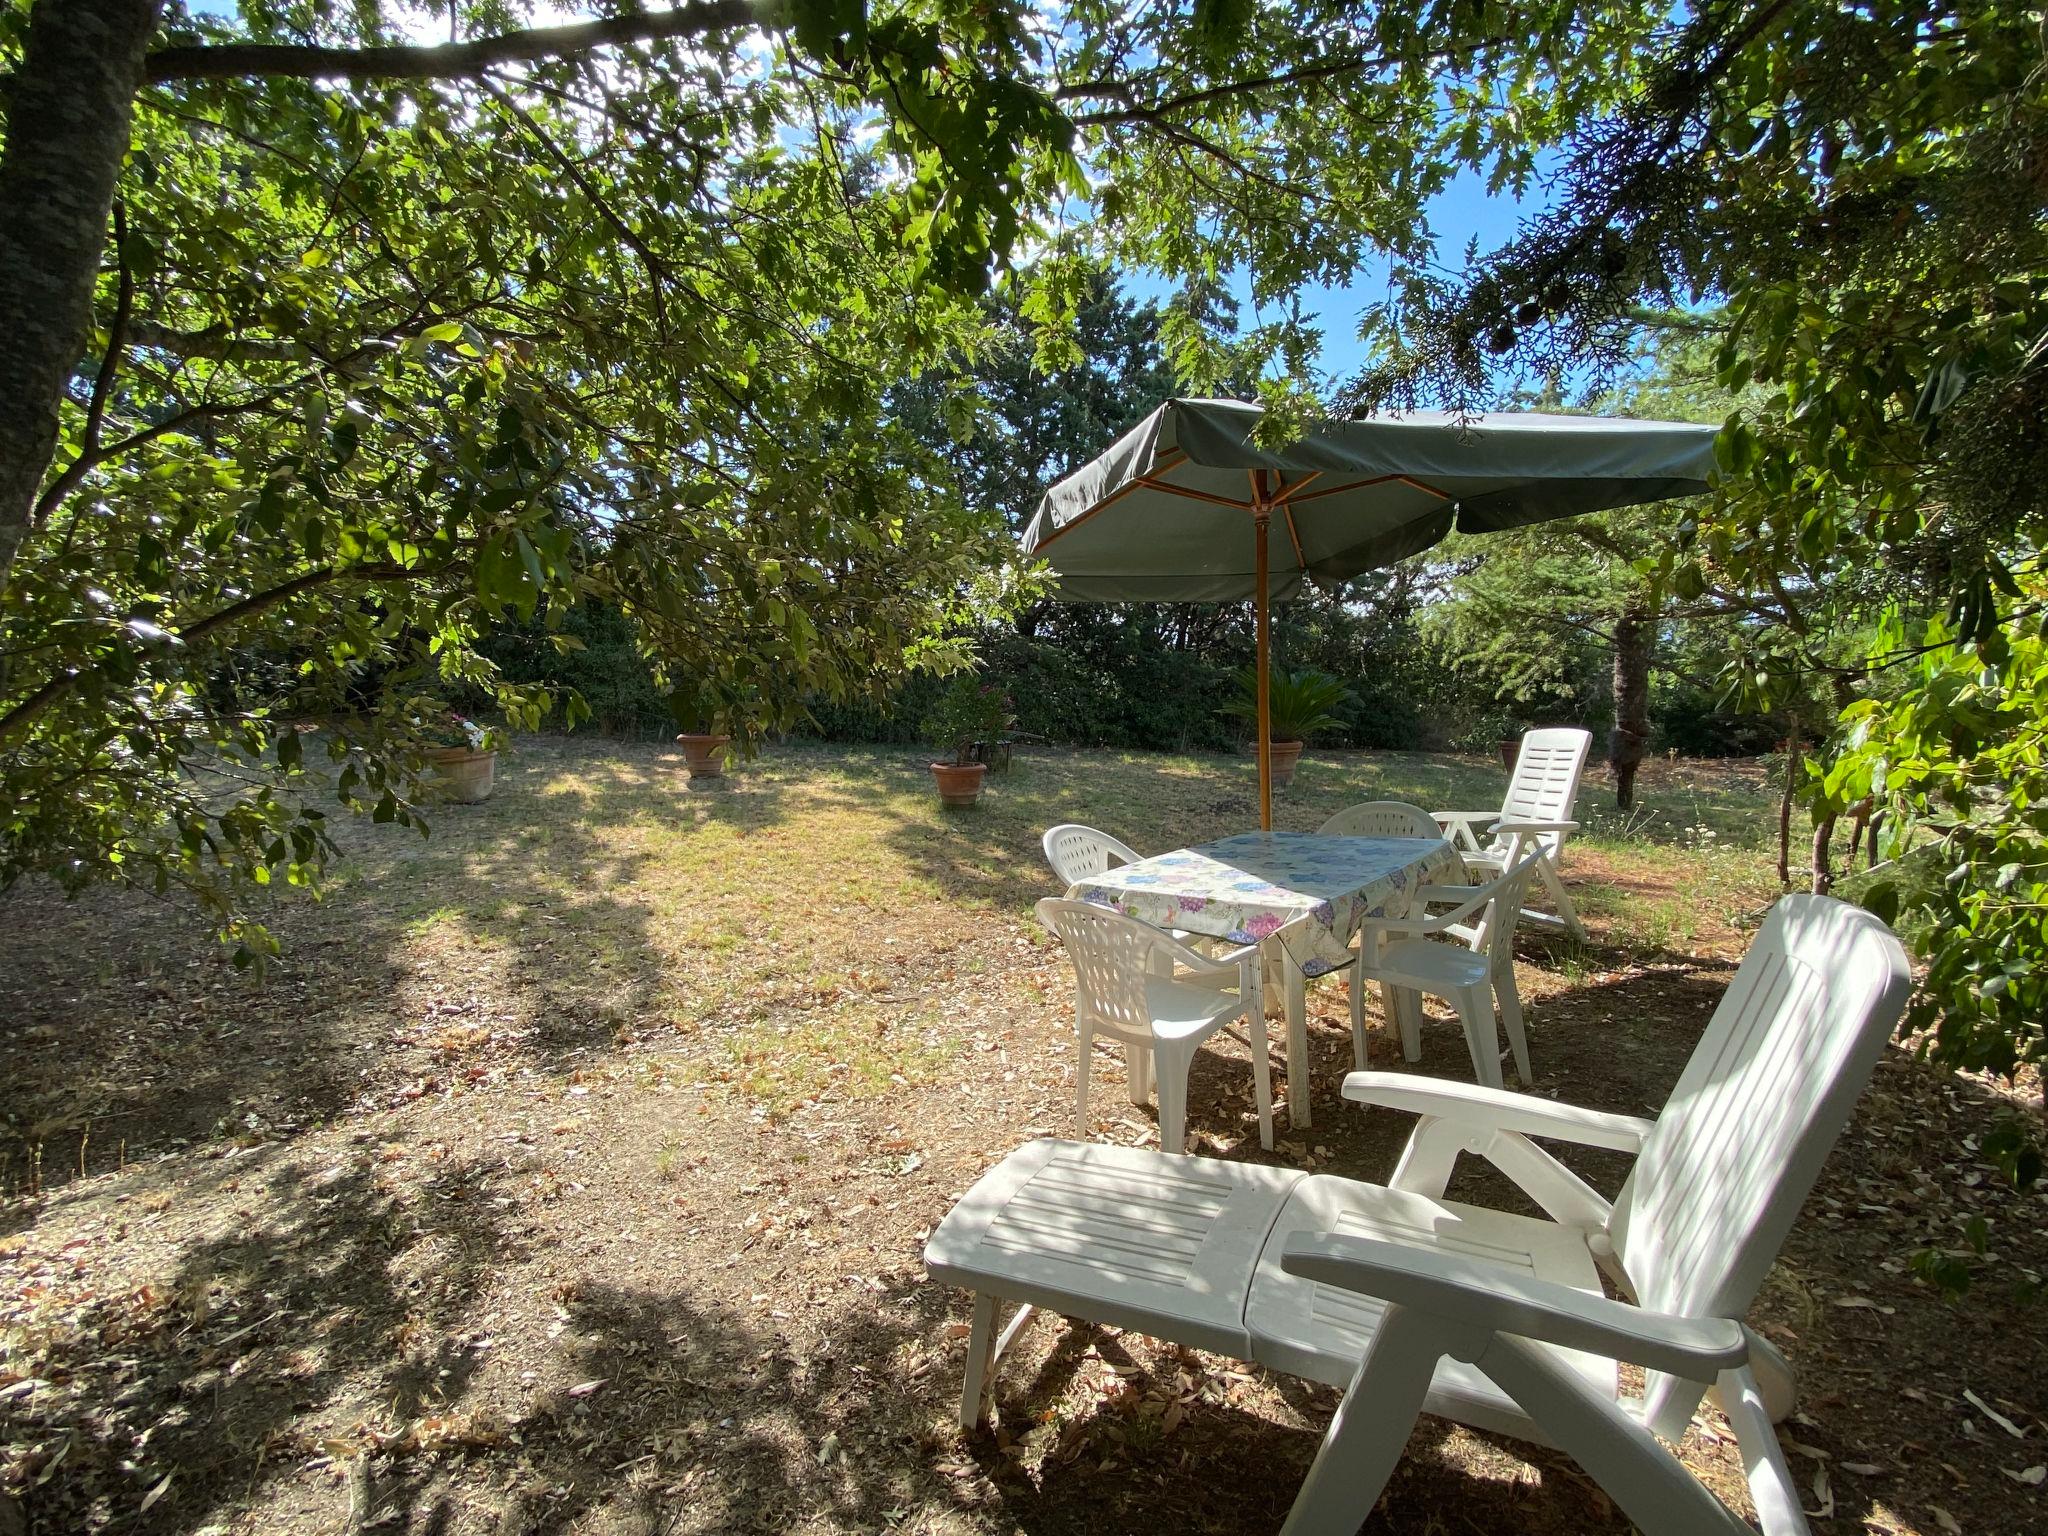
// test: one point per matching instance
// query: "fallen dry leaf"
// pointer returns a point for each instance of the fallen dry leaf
(155, 1493)
(1993, 1415)
(1823, 1495)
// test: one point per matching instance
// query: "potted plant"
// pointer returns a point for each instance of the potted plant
(970, 716)
(1298, 704)
(464, 755)
(698, 718)
(1510, 743)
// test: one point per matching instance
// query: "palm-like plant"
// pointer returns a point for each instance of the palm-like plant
(1298, 704)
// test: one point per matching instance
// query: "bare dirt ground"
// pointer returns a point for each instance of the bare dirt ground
(571, 1174)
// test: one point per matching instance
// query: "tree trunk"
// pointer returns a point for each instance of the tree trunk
(1859, 822)
(1785, 801)
(68, 111)
(1630, 738)
(1823, 856)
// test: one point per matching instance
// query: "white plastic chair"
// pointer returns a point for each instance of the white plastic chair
(1400, 954)
(1135, 983)
(1381, 818)
(1076, 852)
(1542, 792)
(1418, 1304)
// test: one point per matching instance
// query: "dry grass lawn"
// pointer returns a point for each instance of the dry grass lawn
(571, 1174)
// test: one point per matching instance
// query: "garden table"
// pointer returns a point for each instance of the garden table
(1298, 894)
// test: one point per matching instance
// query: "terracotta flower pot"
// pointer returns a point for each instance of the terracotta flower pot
(705, 754)
(467, 775)
(959, 783)
(1286, 756)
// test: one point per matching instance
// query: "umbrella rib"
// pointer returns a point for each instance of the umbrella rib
(1359, 485)
(1118, 495)
(1181, 490)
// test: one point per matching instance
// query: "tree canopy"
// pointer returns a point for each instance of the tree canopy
(1867, 189)
(383, 341)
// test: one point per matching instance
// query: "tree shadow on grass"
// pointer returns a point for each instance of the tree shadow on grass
(133, 1036)
(200, 1389)
(339, 1315)
(362, 1300)
(329, 1356)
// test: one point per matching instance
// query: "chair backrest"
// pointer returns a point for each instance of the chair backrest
(1742, 1138)
(1545, 783)
(1076, 852)
(1112, 957)
(1381, 818)
(1504, 913)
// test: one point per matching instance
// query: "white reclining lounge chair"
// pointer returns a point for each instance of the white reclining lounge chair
(1419, 1304)
(1536, 813)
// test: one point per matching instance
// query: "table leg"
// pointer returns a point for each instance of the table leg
(1138, 1058)
(1296, 987)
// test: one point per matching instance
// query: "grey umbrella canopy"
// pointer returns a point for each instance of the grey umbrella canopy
(1186, 507)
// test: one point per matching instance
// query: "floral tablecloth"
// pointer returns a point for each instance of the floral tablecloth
(1307, 892)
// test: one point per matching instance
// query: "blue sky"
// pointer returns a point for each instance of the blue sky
(1462, 212)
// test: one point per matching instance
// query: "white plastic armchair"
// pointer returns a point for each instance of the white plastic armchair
(1536, 814)
(1418, 1304)
(1076, 852)
(1137, 984)
(1398, 953)
(1381, 818)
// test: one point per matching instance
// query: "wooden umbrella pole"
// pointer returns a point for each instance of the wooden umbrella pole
(1261, 523)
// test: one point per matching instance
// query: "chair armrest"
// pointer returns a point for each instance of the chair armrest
(1466, 900)
(1444, 895)
(1500, 1300)
(1467, 817)
(1517, 824)
(1411, 927)
(1237, 967)
(1496, 1109)
(1229, 960)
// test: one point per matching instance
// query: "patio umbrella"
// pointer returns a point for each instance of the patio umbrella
(1181, 508)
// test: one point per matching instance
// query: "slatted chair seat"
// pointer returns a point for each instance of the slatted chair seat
(1318, 1331)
